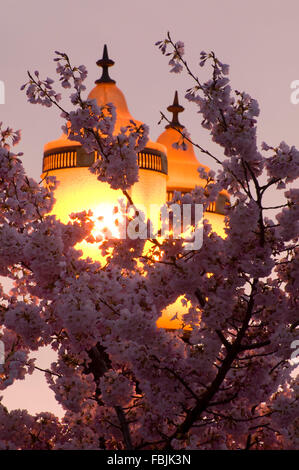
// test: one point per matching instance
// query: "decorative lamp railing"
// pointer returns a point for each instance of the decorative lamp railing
(217, 206)
(73, 157)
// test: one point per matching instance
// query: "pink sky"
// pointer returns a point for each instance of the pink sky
(259, 39)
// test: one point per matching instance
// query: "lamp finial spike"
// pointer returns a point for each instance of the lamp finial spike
(175, 108)
(105, 63)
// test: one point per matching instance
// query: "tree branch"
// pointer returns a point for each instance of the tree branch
(124, 427)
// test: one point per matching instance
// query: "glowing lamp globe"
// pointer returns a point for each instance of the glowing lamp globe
(79, 189)
(183, 176)
(183, 167)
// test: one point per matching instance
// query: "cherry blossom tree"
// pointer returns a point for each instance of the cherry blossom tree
(222, 381)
